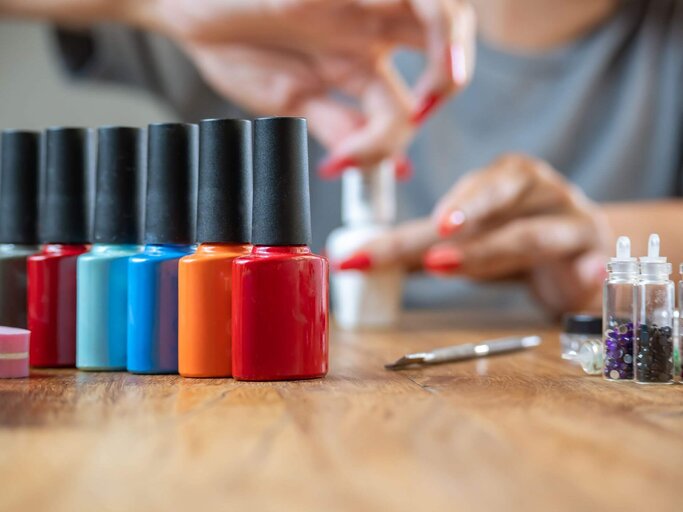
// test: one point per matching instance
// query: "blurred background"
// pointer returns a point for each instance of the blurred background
(34, 93)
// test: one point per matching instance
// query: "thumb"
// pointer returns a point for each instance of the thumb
(403, 246)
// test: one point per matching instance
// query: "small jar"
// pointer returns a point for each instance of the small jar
(654, 319)
(577, 329)
(617, 310)
(590, 356)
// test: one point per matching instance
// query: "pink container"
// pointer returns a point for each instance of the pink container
(13, 352)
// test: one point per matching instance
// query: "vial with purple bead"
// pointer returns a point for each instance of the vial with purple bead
(654, 319)
(618, 313)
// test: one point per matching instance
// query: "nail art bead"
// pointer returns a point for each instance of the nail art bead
(654, 354)
(619, 352)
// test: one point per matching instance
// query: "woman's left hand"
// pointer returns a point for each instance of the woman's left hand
(518, 218)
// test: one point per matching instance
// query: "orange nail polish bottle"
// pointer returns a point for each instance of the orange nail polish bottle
(224, 232)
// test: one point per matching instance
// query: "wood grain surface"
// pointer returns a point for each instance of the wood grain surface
(525, 431)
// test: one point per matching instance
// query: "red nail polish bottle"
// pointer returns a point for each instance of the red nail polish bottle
(280, 290)
(64, 230)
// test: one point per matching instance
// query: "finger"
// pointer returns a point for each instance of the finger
(570, 284)
(263, 81)
(514, 248)
(403, 246)
(329, 120)
(513, 186)
(450, 50)
(385, 102)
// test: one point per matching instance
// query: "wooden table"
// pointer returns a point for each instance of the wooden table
(517, 432)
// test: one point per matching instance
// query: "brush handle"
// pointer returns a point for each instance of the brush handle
(471, 350)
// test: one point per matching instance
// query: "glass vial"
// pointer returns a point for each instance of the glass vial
(589, 356)
(617, 322)
(654, 343)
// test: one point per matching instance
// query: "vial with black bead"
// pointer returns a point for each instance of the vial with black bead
(618, 313)
(655, 302)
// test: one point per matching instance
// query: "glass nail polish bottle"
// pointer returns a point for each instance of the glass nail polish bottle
(224, 230)
(280, 290)
(102, 273)
(618, 311)
(19, 168)
(654, 342)
(370, 299)
(169, 235)
(64, 229)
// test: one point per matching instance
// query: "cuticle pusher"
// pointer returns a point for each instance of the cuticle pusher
(465, 351)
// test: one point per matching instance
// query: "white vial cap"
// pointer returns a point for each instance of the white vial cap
(653, 256)
(623, 250)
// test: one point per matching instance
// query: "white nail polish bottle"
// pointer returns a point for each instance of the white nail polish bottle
(370, 299)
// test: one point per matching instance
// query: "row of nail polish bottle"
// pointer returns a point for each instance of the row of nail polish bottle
(364, 298)
(116, 304)
(638, 317)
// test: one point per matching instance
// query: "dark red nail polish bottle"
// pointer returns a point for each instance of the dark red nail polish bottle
(63, 227)
(280, 290)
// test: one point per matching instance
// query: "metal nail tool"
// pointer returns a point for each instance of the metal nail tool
(466, 351)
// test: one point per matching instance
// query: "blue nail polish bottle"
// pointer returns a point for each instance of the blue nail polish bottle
(102, 273)
(169, 235)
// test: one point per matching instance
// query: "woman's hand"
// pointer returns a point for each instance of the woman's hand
(517, 218)
(295, 57)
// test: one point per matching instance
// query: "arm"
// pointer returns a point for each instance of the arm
(139, 13)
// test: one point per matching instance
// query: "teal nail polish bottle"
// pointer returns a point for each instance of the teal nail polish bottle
(102, 307)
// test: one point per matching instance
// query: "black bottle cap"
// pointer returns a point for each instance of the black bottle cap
(282, 212)
(171, 184)
(225, 181)
(582, 323)
(118, 203)
(65, 208)
(19, 168)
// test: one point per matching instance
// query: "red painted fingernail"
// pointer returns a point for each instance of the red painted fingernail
(600, 273)
(457, 63)
(334, 166)
(359, 261)
(451, 223)
(426, 107)
(403, 168)
(443, 259)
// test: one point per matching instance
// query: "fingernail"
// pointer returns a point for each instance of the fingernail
(334, 166)
(600, 272)
(403, 168)
(451, 223)
(443, 259)
(359, 261)
(457, 64)
(426, 107)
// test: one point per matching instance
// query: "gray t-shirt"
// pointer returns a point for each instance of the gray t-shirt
(605, 110)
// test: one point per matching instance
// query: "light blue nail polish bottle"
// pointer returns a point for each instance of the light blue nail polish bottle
(102, 273)
(169, 235)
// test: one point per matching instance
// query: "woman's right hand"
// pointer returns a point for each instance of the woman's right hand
(294, 57)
